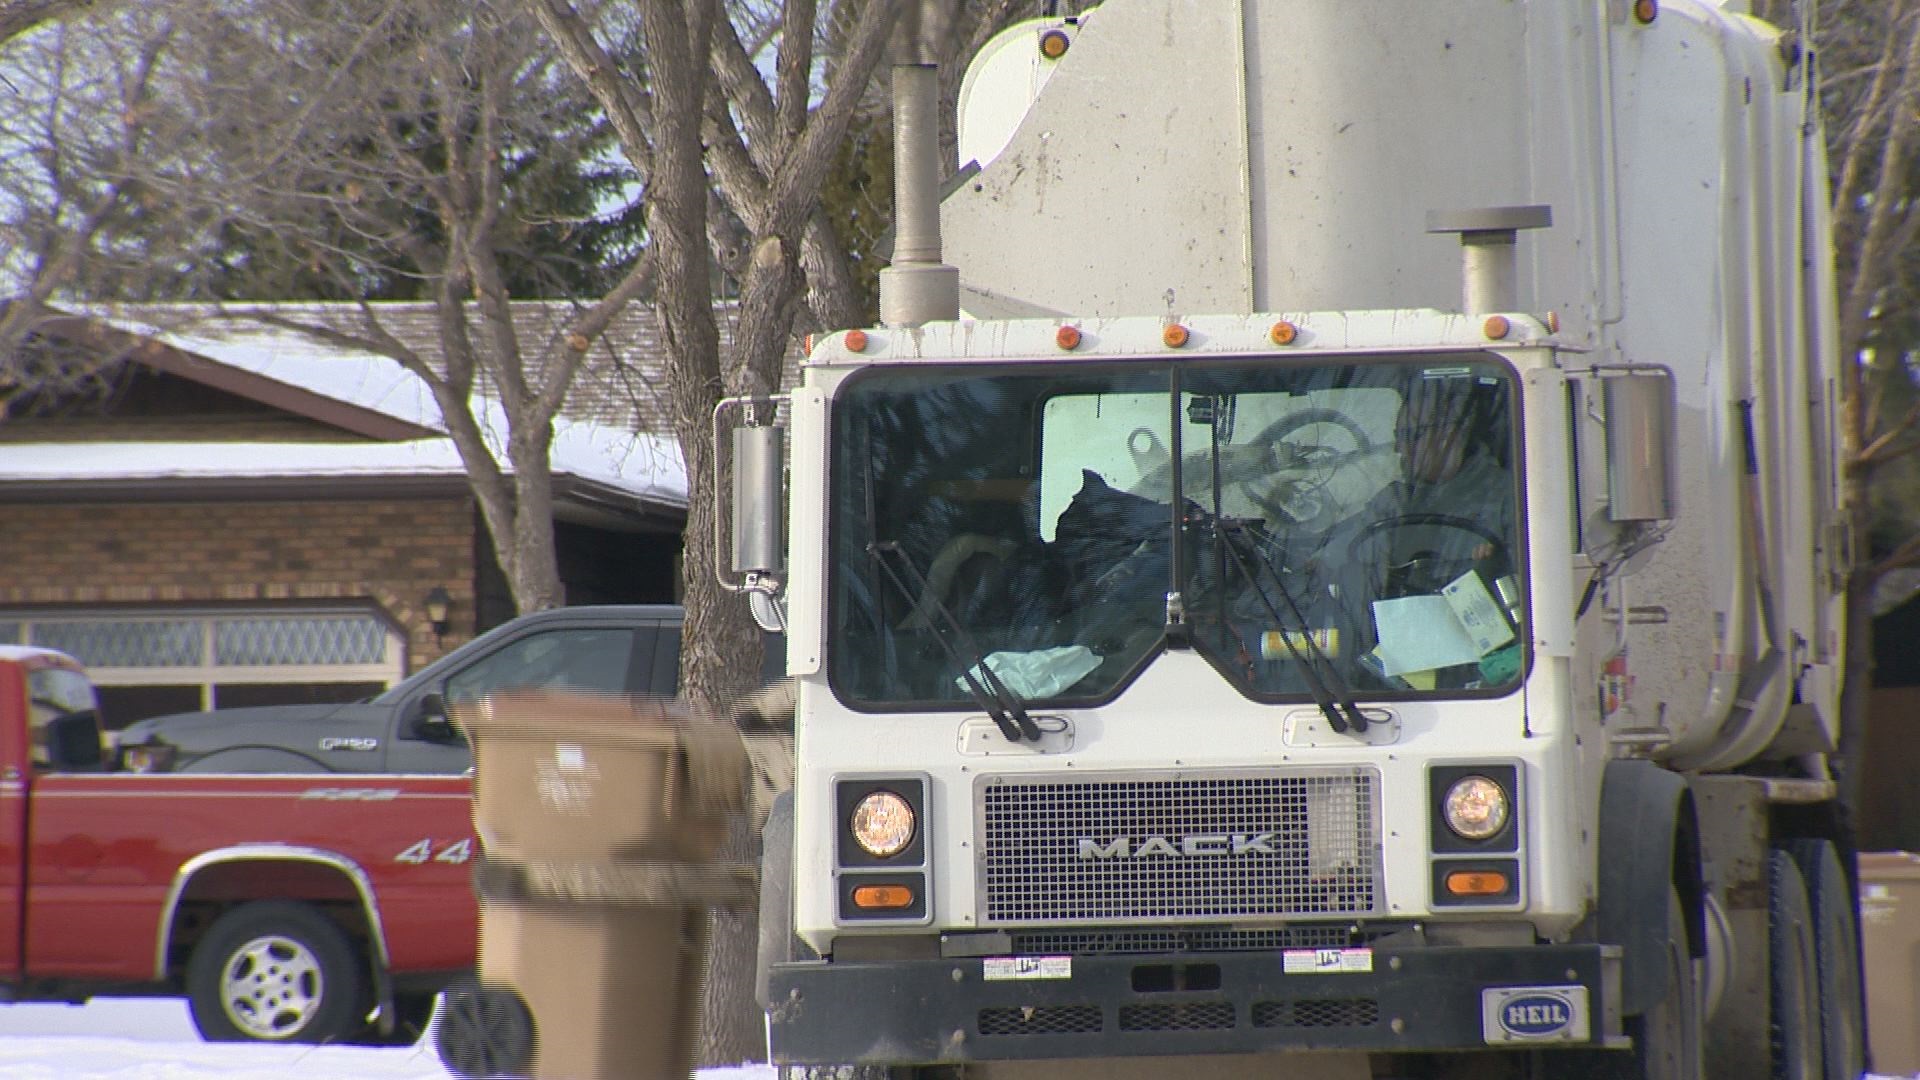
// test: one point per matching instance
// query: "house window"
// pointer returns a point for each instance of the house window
(149, 664)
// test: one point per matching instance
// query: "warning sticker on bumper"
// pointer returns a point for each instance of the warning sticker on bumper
(1326, 961)
(1028, 967)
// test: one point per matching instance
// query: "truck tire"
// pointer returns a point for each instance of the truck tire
(1836, 956)
(1667, 1038)
(484, 1032)
(276, 971)
(1795, 1018)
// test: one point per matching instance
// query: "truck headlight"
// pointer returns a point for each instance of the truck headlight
(882, 824)
(1475, 808)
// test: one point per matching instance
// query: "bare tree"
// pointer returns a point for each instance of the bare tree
(19, 16)
(702, 117)
(83, 142)
(1870, 57)
(369, 148)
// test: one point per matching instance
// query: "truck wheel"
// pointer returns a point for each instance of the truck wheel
(276, 971)
(1667, 1041)
(1666, 1038)
(484, 1031)
(1795, 1018)
(1836, 956)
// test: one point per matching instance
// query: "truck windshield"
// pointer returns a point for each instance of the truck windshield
(1357, 514)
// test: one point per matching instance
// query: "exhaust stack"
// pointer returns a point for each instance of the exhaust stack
(917, 287)
(1488, 269)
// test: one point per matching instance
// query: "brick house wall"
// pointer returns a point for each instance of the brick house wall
(248, 588)
(386, 552)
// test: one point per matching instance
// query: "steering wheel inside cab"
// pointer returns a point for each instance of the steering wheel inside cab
(1418, 554)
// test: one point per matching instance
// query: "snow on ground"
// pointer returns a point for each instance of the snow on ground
(152, 1039)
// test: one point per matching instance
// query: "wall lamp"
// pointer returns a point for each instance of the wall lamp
(437, 604)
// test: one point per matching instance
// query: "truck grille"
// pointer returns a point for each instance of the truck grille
(1216, 845)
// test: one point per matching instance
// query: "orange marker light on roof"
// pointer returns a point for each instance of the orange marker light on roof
(1283, 332)
(1497, 327)
(1646, 10)
(856, 341)
(1067, 337)
(1174, 335)
(1054, 44)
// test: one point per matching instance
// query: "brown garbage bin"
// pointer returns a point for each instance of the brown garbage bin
(601, 820)
(1890, 942)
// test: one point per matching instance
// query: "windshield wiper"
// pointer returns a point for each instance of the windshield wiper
(1009, 713)
(1330, 691)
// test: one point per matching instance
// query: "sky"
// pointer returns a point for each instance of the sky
(152, 1039)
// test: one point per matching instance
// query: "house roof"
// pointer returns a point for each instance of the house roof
(613, 450)
(623, 382)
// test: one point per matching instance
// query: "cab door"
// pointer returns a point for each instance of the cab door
(49, 721)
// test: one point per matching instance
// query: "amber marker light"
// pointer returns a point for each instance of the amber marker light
(882, 897)
(1174, 335)
(1054, 44)
(1646, 10)
(1553, 322)
(1067, 337)
(1476, 883)
(1497, 327)
(1283, 332)
(856, 341)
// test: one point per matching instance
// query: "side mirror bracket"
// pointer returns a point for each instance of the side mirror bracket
(757, 520)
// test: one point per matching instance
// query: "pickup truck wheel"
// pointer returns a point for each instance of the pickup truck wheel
(276, 971)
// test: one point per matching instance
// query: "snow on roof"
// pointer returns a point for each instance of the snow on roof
(285, 356)
(646, 466)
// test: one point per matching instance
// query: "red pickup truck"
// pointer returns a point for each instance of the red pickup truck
(317, 908)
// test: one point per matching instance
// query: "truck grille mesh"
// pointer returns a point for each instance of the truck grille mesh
(1331, 1012)
(1206, 938)
(1041, 1020)
(1179, 846)
(1177, 1016)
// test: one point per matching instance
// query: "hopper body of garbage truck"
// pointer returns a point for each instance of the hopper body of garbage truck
(1331, 564)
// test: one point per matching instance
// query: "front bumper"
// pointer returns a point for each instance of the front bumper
(1401, 999)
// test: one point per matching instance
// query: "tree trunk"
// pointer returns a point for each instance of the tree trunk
(1856, 691)
(721, 635)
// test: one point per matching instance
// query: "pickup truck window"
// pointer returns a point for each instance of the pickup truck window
(596, 659)
(52, 695)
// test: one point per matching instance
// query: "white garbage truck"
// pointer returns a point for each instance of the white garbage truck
(1330, 564)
